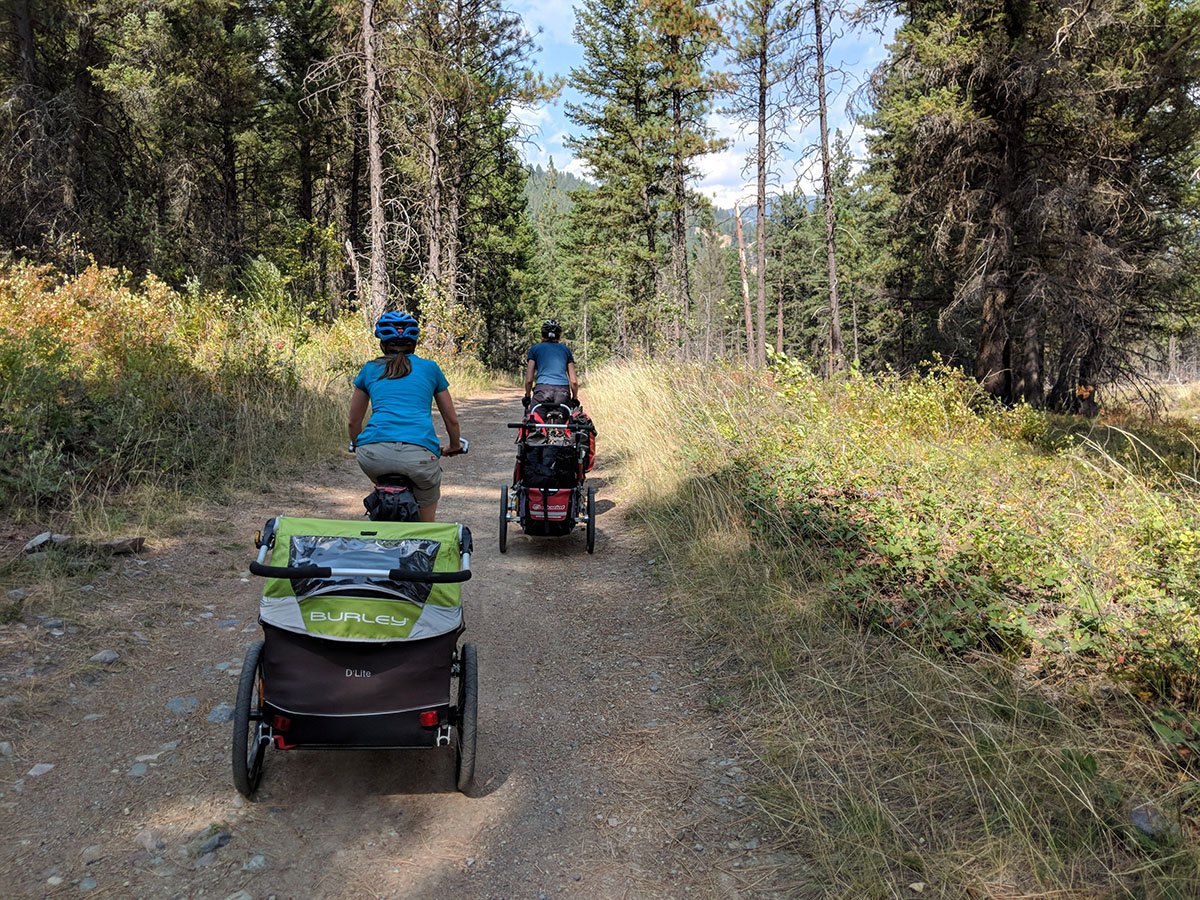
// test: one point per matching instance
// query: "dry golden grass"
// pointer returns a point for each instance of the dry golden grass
(890, 764)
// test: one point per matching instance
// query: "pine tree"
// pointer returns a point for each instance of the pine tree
(302, 127)
(1042, 152)
(683, 37)
(622, 121)
(764, 61)
(836, 351)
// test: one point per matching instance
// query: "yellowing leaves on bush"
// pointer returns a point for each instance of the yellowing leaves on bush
(107, 383)
(97, 315)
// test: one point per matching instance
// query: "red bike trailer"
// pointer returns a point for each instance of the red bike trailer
(548, 496)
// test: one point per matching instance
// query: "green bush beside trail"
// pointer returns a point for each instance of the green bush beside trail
(106, 387)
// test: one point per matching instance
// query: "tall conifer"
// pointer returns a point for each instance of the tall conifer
(683, 37)
(1042, 153)
(764, 61)
(622, 121)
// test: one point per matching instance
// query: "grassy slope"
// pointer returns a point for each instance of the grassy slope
(122, 404)
(927, 618)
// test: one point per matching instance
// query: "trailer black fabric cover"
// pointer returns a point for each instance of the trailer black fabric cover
(410, 554)
(550, 466)
(304, 674)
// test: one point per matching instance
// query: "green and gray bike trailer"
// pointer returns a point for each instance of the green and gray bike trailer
(361, 622)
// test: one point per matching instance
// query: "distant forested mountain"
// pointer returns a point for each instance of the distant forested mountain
(548, 192)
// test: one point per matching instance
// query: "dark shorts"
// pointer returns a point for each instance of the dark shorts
(551, 393)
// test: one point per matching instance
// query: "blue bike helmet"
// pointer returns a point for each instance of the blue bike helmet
(396, 326)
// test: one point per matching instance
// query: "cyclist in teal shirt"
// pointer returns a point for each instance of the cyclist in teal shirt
(401, 388)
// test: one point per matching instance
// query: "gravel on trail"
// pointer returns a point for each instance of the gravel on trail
(601, 771)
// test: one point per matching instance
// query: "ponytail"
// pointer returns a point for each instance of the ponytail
(395, 355)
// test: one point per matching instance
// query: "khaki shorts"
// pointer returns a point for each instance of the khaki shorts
(415, 463)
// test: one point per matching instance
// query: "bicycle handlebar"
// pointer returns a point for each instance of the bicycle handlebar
(391, 574)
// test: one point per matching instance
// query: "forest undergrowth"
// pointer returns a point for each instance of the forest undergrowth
(118, 398)
(962, 637)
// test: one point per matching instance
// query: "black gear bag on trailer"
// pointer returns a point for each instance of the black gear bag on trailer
(549, 466)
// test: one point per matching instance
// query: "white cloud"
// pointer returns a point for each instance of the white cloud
(577, 167)
(555, 18)
(533, 154)
(533, 122)
(724, 177)
(530, 118)
(728, 176)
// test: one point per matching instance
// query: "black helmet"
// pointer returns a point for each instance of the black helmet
(551, 330)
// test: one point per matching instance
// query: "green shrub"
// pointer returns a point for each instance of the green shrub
(106, 387)
(938, 512)
(915, 601)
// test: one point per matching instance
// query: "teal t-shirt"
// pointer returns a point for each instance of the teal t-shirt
(401, 407)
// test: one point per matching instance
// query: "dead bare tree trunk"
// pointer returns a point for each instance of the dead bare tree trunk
(433, 206)
(305, 208)
(365, 308)
(451, 241)
(836, 353)
(324, 278)
(854, 321)
(454, 191)
(751, 351)
(707, 325)
(760, 235)
(679, 254)
(354, 203)
(378, 301)
(22, 11)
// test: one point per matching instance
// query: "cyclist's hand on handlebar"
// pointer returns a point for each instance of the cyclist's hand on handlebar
(456, 450)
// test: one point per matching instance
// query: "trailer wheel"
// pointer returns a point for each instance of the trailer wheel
(468, 704)
(591, 519)
(247, 714)
(504, 518)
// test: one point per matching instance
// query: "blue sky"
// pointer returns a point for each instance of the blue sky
(722, 174)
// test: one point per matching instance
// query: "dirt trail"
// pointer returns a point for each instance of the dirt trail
(601, 772)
